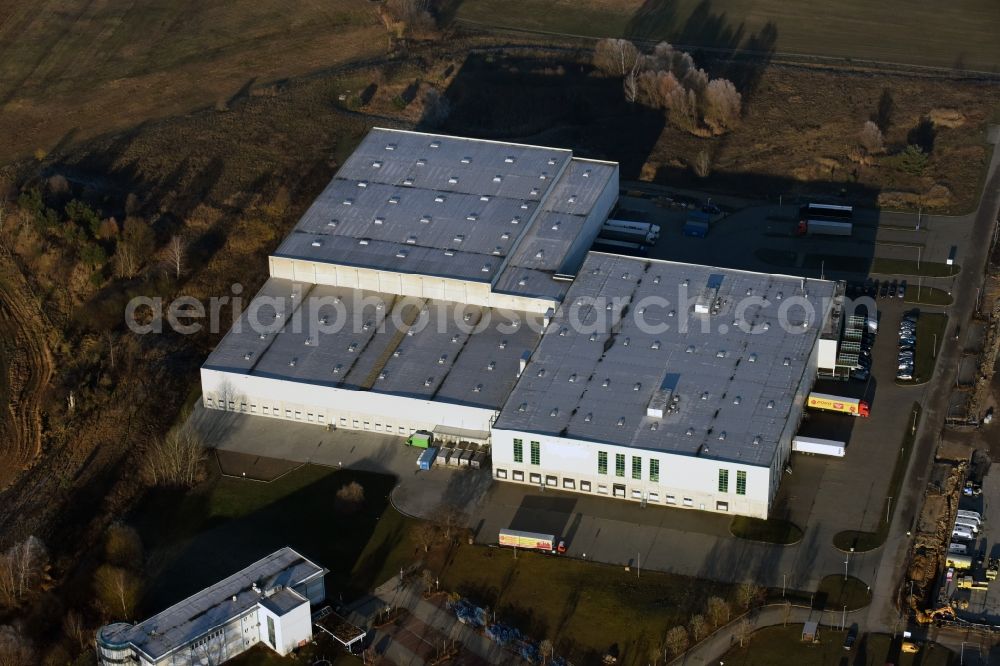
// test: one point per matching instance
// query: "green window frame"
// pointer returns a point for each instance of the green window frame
(637, 468)
(518, 451)
(536, 453)
(741, 483)
(654, 470)
(602, 462)
(723, 480)
(620, 464)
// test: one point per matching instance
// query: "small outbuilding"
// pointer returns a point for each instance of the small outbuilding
(810, 632)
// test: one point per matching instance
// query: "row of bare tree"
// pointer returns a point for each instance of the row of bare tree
(717, 613)
(669, 79)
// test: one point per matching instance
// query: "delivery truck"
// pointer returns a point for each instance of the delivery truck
(531, 541)
(836, 403)
(824, 228)
(421, 439)
(637, 232)
(819, 447)
(426, 459)
(697, 224)
(959, 561)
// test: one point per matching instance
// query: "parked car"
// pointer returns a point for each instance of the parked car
(902, 289)
(860, 374)
(892, 289)
(884, 289)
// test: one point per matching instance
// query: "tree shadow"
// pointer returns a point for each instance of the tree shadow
(544, 101)
(654, 20)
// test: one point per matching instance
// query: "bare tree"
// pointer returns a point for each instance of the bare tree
(350, 496)
(117, 590)
(15, 648)
(546, 649)
(677, 640)
(722, 105)
(75, 628)
(425, 534)
(631, 83)
(123, 546)
(23, 567)
(176, 251)
(871, 138)
(702, 164)
(450, 518)
(682, 105)
(698, 626)
(743, 631)
(748, 594)
(428, 580)
(718, 611)
(176, 460)
(786, 612)
(615, 57)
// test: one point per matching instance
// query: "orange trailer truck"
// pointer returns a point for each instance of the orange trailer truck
(531, 541)
(836, 403)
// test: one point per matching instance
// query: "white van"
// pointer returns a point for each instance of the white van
(971, 515)
(958, 548)
(966, 523)
(961, 533)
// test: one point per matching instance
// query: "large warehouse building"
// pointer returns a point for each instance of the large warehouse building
(443, 284)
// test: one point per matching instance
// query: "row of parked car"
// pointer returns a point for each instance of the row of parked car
(864, 366)
(876, 289)
(907, 346)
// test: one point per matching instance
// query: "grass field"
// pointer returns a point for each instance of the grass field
(927, 296)
(71, 69)
(200, 537)
(942, 35)
(912, 267)
(773, 530)
(930, 335)
(783, 645)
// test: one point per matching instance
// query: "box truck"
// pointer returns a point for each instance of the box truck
(531, 541)
(971, 515)
(836, 403)
(421, 439)
(426, 459)
(636, 232)
(959, 561)
(970, 525)
(819, 447)
(824, 228)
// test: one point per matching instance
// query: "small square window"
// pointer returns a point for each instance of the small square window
(518, 476)
(551, 480)
(722, 506)
(501, 474)
(535, 478)
(585, 486)
(603, 490)
(569, 483)
(688, 501)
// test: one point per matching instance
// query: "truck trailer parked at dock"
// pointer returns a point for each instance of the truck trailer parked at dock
(820, 447)
(836, 403)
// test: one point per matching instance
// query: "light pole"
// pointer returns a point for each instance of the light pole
(888, 506)
(843, 618)
(783, 578)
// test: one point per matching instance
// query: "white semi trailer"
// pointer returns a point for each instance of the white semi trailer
(819, 447)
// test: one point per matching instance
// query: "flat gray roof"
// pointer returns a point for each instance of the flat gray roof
(735, 388)
(361, 340)
(214, 606)
(452, 207)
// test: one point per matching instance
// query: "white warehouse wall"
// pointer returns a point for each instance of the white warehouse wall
(681, 476)
(344, 408)
(599, 214)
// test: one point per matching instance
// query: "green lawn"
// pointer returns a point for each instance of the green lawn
(864, 541)
(196, 538)
(921, 295)
(783, 645)
(912, 267)
(591, 606)
(836, 592)
(930, 335)
(772, 530)
(943, 35)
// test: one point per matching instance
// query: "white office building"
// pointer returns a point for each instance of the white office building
(268, 602)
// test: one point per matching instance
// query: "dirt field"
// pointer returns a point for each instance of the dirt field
(71, 69)
(956, 35)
